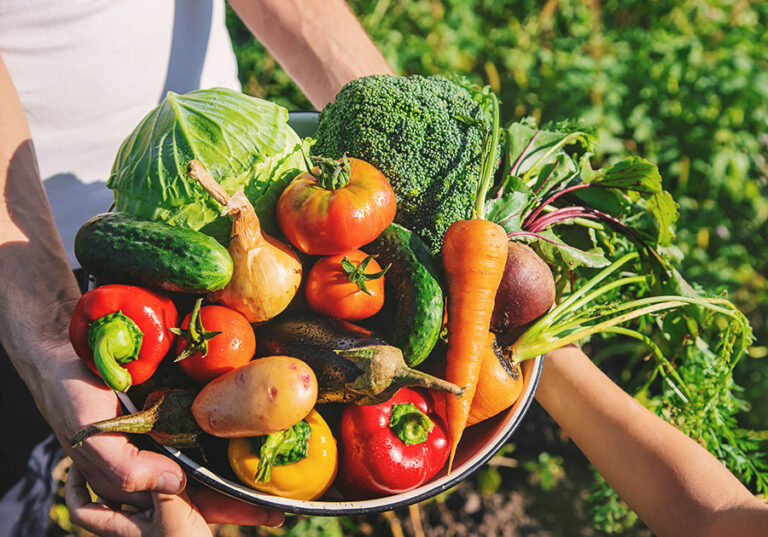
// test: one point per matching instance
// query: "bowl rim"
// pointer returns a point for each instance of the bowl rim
(359, 507)
(429, 489)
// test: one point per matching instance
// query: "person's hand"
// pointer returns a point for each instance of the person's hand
(170, 515)
(117, 471)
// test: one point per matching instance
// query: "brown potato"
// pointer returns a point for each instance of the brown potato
(264, 396)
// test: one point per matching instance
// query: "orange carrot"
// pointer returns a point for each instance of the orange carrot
(474, 254)
(499, 385)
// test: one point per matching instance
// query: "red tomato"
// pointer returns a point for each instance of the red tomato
(233, 347)
(326, 213)
(338, 289)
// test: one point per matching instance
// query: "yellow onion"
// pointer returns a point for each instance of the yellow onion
(267, 273)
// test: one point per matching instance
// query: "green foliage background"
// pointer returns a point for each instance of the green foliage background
(683, 83)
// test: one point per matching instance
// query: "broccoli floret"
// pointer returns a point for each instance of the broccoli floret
(422, 133)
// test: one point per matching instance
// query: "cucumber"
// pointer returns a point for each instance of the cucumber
(413, 282)
(120, 248)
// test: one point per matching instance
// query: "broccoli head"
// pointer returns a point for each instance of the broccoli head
(425, 134)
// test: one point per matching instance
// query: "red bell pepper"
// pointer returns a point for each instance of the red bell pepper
(391, 447)
(122, 332)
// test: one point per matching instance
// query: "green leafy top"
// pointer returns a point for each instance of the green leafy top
(542, 168)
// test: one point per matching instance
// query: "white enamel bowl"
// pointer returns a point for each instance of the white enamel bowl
(478, 444)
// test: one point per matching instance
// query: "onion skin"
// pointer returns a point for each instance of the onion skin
(267, 273)
(526, 291)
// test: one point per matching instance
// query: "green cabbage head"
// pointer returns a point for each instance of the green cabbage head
(244, 142)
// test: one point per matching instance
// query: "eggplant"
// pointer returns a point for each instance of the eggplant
(351, 364)
(167, 418)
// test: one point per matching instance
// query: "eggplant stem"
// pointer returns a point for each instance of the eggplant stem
(138, 422)
(408, 376)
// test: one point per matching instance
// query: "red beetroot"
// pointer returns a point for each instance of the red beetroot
(526, 291)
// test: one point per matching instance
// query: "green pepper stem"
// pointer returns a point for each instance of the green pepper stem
(115, 339)
(268, 455)
(410, 424)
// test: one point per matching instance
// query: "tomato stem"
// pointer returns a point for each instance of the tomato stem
(195, 334)
(357, 274)
(331, 174)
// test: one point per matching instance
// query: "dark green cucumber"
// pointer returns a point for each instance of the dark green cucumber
(413, 282)
(120, 248)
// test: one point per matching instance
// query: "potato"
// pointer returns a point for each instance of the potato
(264, 396)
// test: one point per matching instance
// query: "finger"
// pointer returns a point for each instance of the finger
(219, 509)
(75, 492)
(177, 516)
(98, 518)
(120, 472)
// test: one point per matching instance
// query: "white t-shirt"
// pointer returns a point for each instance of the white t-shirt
(87, 71)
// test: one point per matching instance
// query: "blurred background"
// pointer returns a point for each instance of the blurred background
(682, 83)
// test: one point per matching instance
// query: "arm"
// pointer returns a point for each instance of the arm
(321, 45)
(38, 294)
(675, 485)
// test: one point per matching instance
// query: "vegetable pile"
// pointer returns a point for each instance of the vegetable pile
(371, 302)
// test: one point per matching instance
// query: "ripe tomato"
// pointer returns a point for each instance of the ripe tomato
(347, 286)
(337, 207)
(220, 340)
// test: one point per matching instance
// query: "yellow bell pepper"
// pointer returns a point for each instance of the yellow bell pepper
(305, 479)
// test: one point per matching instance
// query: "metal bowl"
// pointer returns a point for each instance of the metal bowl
(478, 444)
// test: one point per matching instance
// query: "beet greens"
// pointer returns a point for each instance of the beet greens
(608, 236)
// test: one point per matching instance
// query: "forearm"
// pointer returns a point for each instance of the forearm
(670, 481)
(321, 45)
(37, 289)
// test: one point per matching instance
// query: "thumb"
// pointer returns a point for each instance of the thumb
(175, 515)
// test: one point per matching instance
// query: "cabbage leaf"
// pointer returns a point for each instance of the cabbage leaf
(244, 142)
